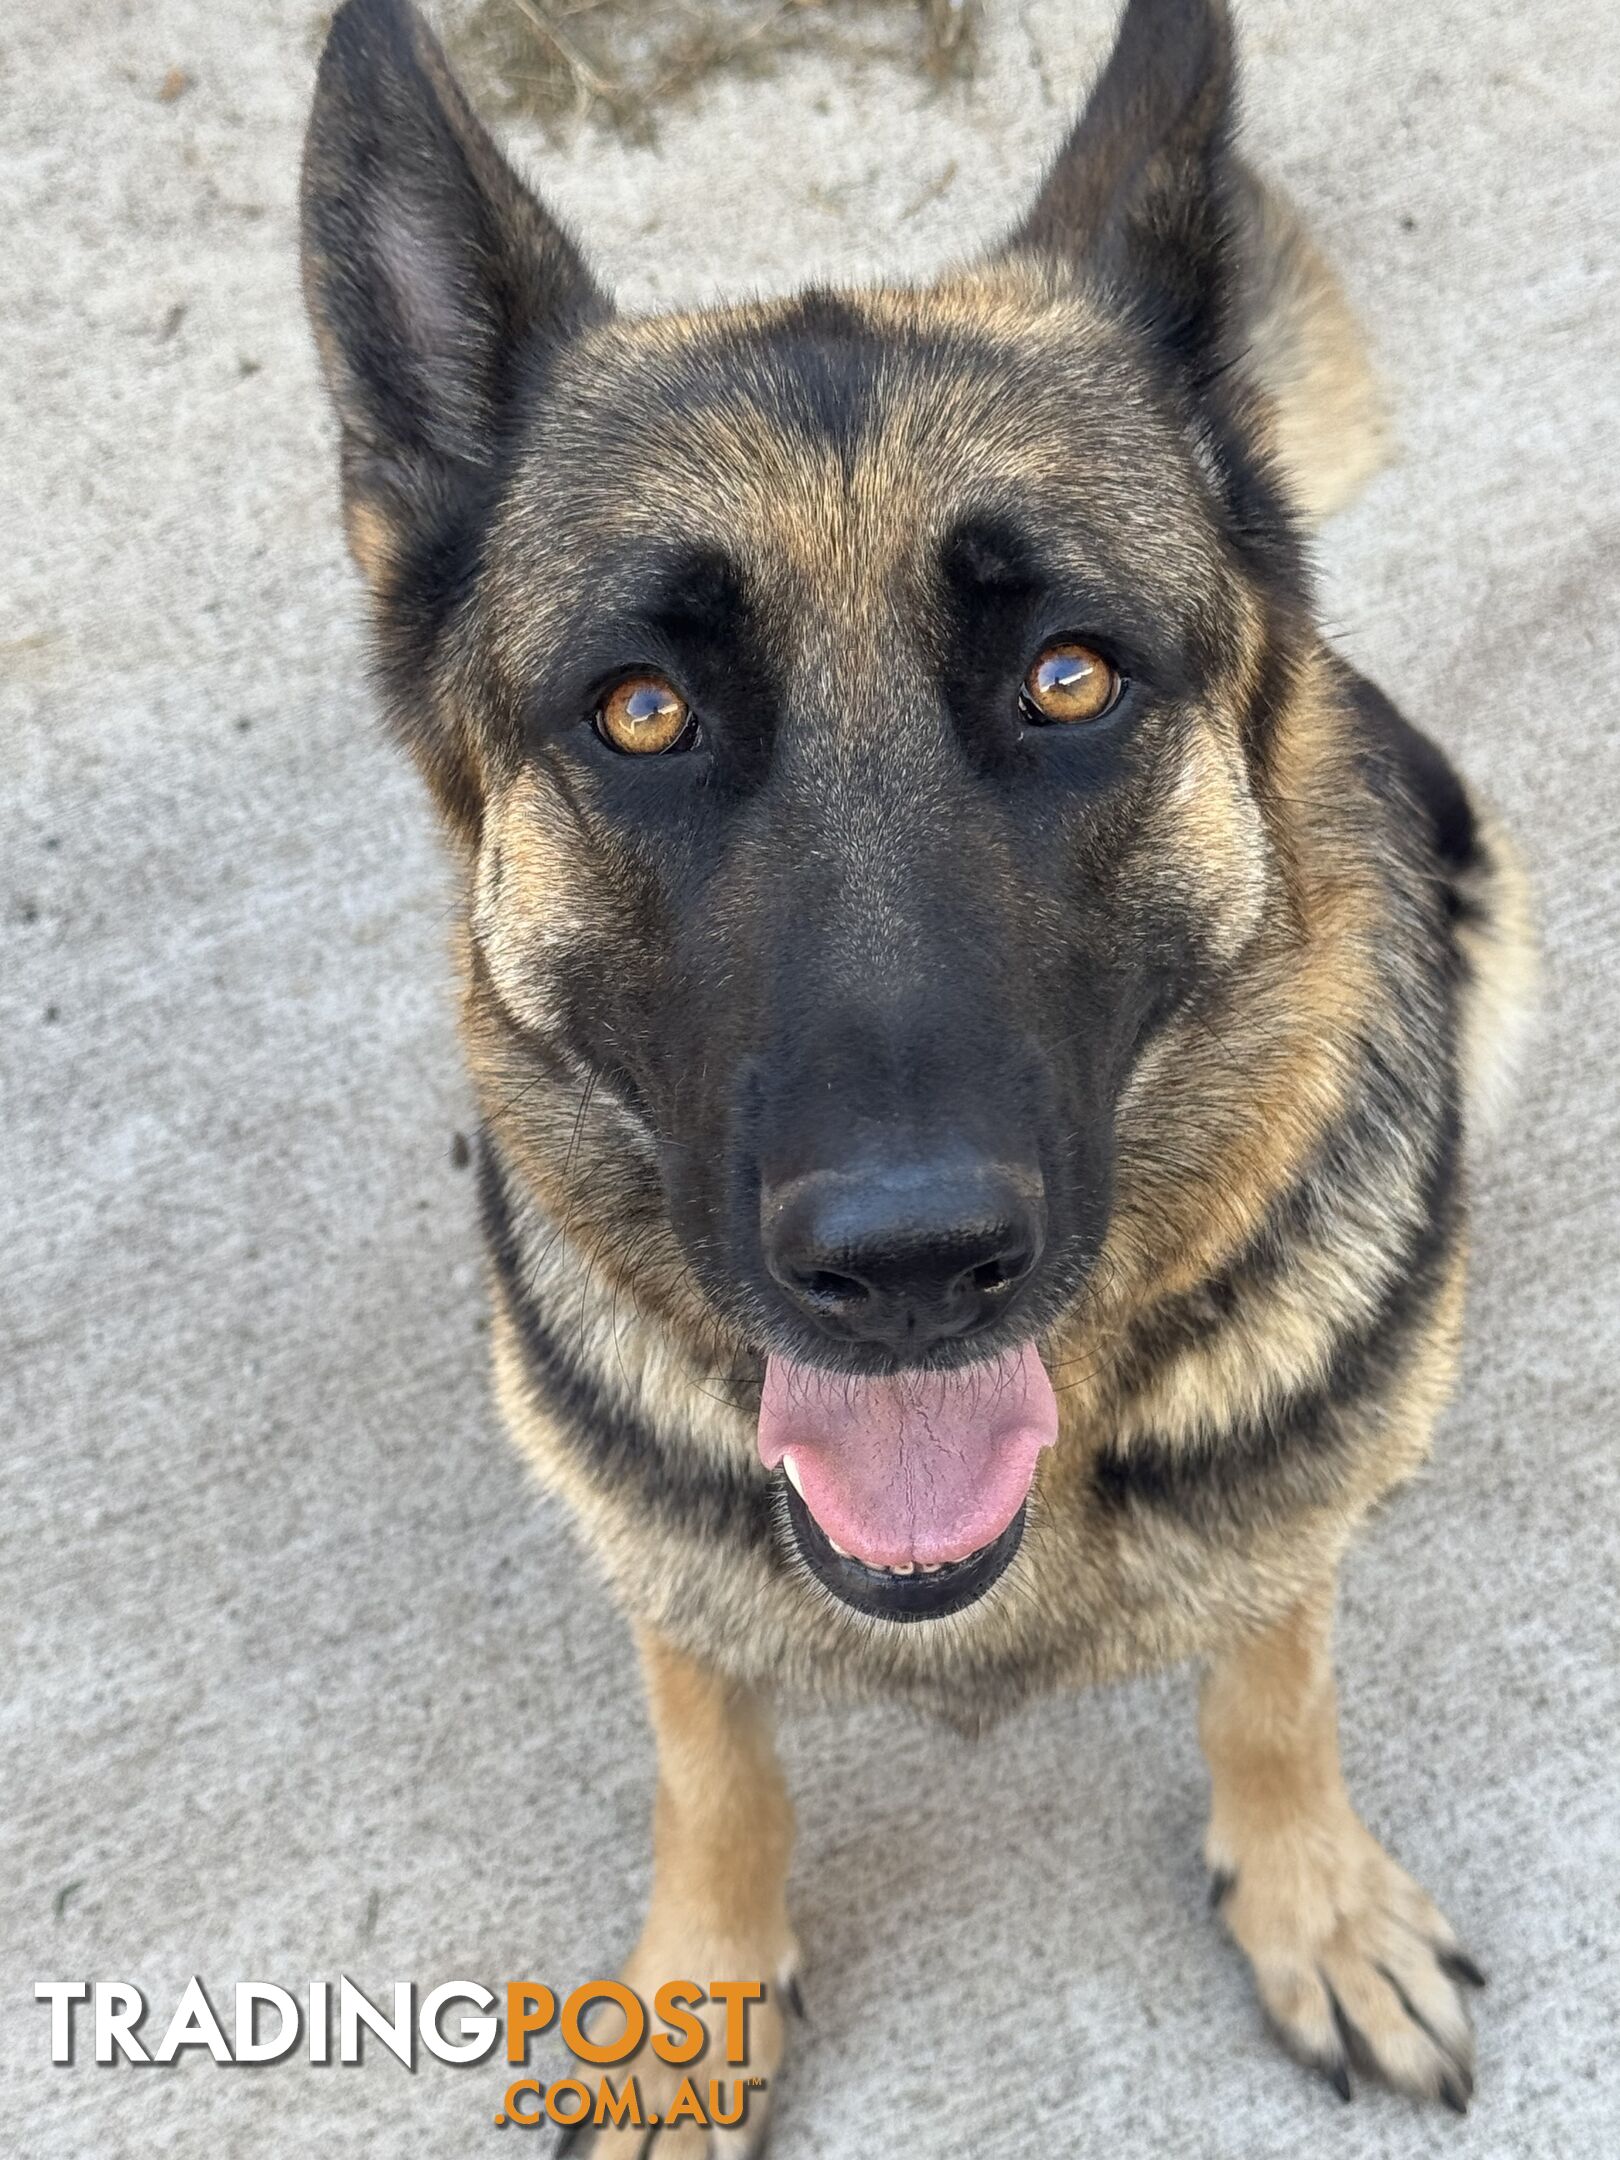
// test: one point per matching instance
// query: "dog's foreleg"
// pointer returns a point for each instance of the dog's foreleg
(1354, 1964)
(722, 1836)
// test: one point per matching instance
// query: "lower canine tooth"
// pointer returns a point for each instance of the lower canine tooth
(837, 1548)
(791, 1469)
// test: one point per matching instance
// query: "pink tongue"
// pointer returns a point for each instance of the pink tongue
(922, 1467)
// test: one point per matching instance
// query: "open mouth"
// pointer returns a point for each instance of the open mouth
(917, 1593)
(906, 1494)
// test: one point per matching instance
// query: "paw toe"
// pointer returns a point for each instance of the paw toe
(1409, 2029)
(1300, 2008)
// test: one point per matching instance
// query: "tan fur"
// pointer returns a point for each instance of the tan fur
(371, 537)
(722, 1833)
(1309, 354)
(1322, 1913)
(1501, 949)
(530, 902)
(1268, 1074)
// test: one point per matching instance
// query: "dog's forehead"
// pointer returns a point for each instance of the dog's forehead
(831, 441)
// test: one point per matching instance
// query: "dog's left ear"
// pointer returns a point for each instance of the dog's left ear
(1144, 195)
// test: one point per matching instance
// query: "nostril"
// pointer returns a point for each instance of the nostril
(1001, 1272)
(828, 1288)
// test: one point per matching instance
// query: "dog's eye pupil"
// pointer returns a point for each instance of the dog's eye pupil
(643, 715)
(1070, 682)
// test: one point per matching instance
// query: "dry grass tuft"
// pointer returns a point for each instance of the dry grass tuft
(624, 61)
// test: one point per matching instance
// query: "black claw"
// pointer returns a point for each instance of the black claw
(1332, 2069)
(795, 1997)
(1222, 1882)
(1458, 1965)
(1452, 2093)
(1352, 2039)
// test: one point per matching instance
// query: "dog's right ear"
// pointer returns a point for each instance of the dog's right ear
(435, 282)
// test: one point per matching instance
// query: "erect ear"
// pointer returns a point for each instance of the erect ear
(1144, 193)
(435, 281)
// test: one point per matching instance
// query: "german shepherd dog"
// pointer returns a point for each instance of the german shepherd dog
(976, 1011)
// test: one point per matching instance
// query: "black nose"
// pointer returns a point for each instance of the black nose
(904, 1256)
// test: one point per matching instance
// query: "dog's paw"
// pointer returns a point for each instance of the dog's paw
(748, 2085)
(1355, 1966)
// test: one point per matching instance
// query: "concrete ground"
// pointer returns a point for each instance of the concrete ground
(300, 1678)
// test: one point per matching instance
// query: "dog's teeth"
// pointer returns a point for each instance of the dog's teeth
(908, 1569)
(838, 1549)
(791, 1470)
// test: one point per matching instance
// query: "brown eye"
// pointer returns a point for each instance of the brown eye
(643, 715)
(1070, 682)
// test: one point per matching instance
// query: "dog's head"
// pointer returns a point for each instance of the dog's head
(849, 710)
